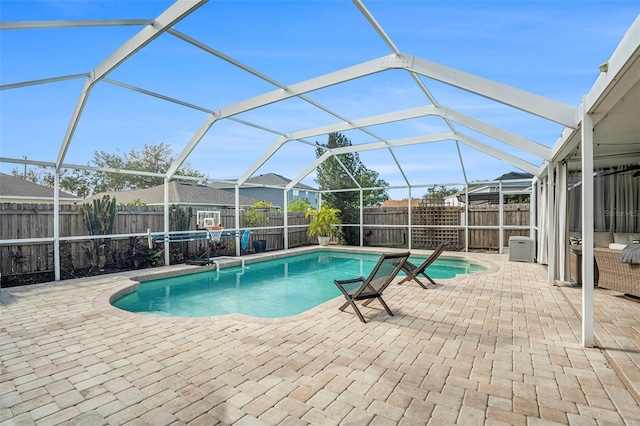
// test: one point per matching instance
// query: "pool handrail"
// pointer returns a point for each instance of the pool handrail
(215, 262)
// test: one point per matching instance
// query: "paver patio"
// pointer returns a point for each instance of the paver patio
(498, 347)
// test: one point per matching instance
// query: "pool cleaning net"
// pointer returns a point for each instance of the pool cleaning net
(215, 233)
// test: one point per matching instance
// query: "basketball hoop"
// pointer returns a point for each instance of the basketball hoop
(215, 233)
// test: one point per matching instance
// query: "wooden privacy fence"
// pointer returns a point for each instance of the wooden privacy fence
(388, 226)
(489, 215)
(383, 227)
(21, 221)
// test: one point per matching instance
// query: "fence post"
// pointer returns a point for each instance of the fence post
(167, 246)
(533, 210)
(237, 218)
(361, 219)
(466, 219)
(409, 218)
(501, 219)
(56, 224)
(285, 221)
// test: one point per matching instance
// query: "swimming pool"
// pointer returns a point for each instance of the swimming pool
(270, 289)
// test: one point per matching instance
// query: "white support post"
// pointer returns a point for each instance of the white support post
(587, 229)
(361, 218)
(551, 226)
(237, 201)
(533, 210)
(319, 204)
(501, 218)
(56, 224)
(466, 219)
(562, 219)
(410, 218)
(167, 246)
(285, 231)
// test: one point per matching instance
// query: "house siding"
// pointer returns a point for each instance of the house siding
(275, 197)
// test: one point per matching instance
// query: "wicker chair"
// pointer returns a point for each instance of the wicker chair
(615, 275)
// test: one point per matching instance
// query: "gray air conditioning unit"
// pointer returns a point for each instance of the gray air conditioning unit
(521, 249)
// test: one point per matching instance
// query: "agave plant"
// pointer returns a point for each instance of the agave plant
(100, 218)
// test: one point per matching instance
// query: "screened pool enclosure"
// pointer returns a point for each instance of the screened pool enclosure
(599, 135)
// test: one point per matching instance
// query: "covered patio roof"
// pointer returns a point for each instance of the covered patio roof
(614, 104)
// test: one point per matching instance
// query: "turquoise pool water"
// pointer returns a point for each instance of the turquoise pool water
(271, 289)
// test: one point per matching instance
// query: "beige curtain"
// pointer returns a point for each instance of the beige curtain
(616, 202)
(626, 212)
(561, 226)
(574, 207)
(542, 222)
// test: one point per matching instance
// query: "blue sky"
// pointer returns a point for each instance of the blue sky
(549, 48)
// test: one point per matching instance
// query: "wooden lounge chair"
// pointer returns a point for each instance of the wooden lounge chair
(413, 271)
(372, 287)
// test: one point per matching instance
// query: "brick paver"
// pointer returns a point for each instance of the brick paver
(498, 347)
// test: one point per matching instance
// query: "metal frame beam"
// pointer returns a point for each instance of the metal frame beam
(258, 74)
(195, 139)
(494, 132)
(514, 140)
(30, 25)
(511, 159)
(169, 17)
(42, 81)
(369, 147)
(499, 154)
(517, 98)
(497, 133)
(192, 106)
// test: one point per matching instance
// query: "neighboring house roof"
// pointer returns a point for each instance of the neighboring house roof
(274, 179)
(454, 195)
(15, 188)
(515, 175)
(489, 192)
(179, 193)
(401, 203)
(505, 180)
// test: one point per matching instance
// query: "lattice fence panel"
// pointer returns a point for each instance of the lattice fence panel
(436, 217)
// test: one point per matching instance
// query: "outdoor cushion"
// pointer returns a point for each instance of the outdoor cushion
(625, 237)
(617, 246)
(602, 239)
